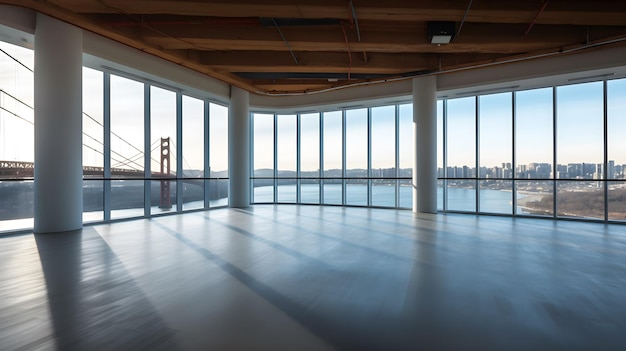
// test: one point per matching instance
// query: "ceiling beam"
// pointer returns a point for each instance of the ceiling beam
(331, 62)
(598, 12)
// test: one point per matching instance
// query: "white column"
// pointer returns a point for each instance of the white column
(58, 126)
(239, 148)
(425, 136)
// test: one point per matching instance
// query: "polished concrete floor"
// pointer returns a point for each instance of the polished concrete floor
(316, 278)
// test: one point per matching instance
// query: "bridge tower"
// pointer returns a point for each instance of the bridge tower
(165, 201)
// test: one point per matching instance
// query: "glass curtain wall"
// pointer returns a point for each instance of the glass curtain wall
(139, 140)
(360, 157)
(556, 152)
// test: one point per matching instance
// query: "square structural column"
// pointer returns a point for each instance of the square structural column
(425, 138)
(239, 148)
(58, 198)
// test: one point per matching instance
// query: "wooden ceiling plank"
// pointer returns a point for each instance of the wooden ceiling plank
(558, 12)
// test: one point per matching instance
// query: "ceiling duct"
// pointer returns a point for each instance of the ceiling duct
(286, 22)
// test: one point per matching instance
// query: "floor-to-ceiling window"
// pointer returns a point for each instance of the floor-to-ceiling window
(286, 158)
(127, 147)
(218, 155)
(163, 149)
(145, 147)
(616, 150)
(556, 151)
(93, 145)
(354, 157)
(310, 158)
(461, 154)
(495, 153)
(406, 154)
(383, 151)
(193, 133)
(263, 158)
(16, 137)
(332, 157)
(534, 151)
(580, 150)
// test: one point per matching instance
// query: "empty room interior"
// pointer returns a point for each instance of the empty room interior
(312, 175)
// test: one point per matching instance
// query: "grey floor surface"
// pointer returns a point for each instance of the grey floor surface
(316, 278)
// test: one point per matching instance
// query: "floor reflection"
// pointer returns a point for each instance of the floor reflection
(94, 302)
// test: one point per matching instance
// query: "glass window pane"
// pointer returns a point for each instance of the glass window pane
(193, 153)
(496, 196)
(461, 153)
(580, 131)
(218, 192)
(440, 165)
(310, 191)
(333, 192)
(384, 192)
(286, 150)
(263, 158)
(534, 133)
(356, 143)
(310, 145)
(333, 159)
(405, 154)
(461, 195)
(93, 145)
(534, 198)
(383, 158)
(461, 138)
(406, 150)
(16, 137)
(496, 131)
(616, 168)
(163, 144)
(127, 155)
(580, 199)
(383, 142)
(127, 198)
(405, 193)
(286, 191)
(263, 190)
(356, 192)
(286, 146)
(617, 200)
(218, 155)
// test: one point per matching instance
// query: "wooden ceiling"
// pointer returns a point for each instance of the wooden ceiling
(296, 46)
